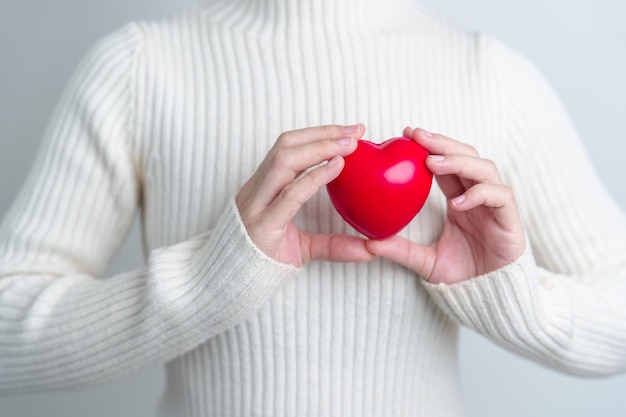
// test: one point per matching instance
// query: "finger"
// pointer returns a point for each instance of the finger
(497, 197)
(285, 206)
(479, 170)
(334, 248)
(470, 170)
(286, 164)
(418, 258)
(279, 157)
(441, 145)
(296, 159)
(451, 185)
(317, 133)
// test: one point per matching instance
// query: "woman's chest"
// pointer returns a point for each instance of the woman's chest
(210, 126)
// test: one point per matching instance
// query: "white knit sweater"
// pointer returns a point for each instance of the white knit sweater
(171, 117)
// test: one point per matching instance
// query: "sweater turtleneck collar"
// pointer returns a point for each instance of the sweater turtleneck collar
(329, 14)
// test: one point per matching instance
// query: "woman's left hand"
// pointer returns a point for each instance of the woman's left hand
(482, 231)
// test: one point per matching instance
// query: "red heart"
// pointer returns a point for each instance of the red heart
(382, 186)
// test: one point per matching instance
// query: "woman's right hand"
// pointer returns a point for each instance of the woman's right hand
(270, 199)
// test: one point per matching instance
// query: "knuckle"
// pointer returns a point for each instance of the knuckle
(478, 191)
(495, 194)
(330, 131)
(471, 150)
(293, 192)
(491, 173)
(507, 192)
(280, 158)
(475, 196)
(283, 139)
(491, 165)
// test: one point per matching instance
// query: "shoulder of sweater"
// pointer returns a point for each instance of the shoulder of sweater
(186, 19)
(486, 48)
(120, 43)
(504, 58)
(490, 49)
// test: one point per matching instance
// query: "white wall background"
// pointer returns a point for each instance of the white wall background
(579, 45)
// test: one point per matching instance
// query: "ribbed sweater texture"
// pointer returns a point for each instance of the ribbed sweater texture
(170, 117)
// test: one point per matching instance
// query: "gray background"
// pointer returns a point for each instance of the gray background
(577, 43)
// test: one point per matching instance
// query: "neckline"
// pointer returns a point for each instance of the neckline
(331, 16)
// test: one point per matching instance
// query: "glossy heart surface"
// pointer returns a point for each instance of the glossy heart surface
(382, 186)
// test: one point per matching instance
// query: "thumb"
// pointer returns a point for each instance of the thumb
(418, 258)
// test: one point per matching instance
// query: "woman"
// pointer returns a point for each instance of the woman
(256, 314)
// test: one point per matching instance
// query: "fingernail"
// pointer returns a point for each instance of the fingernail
(425, 133)
(344, 141)
(348, 130)
(333, 161)
(437, 158)
(458, 200)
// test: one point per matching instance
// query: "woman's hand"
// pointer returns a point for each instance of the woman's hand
(271, 198)
(483, 230)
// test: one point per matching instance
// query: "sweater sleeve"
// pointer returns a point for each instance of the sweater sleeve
(62, 324)
(563, 303)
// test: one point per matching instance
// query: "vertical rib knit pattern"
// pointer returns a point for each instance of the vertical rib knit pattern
(171, 117)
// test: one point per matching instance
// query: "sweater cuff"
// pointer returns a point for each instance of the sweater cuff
(231, 234)
(515, 305)
(218, 279)
(250, 272)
